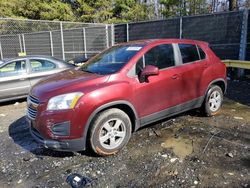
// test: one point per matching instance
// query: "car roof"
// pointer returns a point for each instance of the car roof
(29, 56)
(3, 62)
(169, 40)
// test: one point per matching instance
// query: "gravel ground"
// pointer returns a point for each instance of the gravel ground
(187, 150)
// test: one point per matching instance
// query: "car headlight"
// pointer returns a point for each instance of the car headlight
(63, 102)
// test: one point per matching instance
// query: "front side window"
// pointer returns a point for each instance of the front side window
(161, 56)
(189, 53)
(13, 69)
(111, 60)
(38, 65)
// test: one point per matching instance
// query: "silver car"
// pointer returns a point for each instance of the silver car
(17, 75)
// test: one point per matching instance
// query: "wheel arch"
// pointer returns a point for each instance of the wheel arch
(123, 105)
(219, 82)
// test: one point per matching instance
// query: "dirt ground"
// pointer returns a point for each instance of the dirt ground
(187, 150)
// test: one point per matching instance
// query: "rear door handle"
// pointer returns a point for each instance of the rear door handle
(22, 79)
(175, 76)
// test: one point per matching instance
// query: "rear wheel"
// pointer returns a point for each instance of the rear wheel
(110, 132)
(213, 101)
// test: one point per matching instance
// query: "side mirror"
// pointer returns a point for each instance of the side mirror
(149, 70)
(78, 61)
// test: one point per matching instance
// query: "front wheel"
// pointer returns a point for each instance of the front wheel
(110, 132)
(213, 101)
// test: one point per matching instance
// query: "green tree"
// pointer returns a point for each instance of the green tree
(84, 10)
(183, 7)
(171, 7)
(56, 10)
(7, 8)
(129, 10)
(36, 9)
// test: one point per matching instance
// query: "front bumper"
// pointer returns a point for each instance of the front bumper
(61, 145)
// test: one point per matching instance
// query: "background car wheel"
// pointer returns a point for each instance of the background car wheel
(213, 101)
(110, 132)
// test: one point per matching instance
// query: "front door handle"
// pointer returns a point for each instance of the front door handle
(22, 79)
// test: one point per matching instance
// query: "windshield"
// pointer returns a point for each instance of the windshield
(111, 60)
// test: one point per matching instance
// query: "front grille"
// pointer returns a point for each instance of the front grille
(32, 107)
(34, 100)
(32, 113)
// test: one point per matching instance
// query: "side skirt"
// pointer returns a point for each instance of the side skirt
(196, 103)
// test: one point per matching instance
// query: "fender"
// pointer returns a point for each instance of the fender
(96, 111)
(216, 80)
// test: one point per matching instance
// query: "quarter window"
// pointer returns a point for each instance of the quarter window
(38, 65)
(13, 68)
(189, 53)
(161, 56)
(202, 53)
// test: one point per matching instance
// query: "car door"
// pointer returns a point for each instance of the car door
(13, 79)
(40, 68)
(162, 91)
(193, 64)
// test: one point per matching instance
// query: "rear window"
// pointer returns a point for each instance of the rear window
(189, 53)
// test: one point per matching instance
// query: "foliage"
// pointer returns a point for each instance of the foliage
(109, 11)
(131, 10)
(36, 9)
(183, 7)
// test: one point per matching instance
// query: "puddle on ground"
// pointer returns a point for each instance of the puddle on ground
(182, 147)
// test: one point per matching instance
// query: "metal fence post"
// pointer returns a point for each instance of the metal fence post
(181, 25)
(20, 43)
(112, 35)
(127, 32)
(62, 40)
(243, 40)
(51, 43)
(107, 35)
(84, 42)
(24, 47)
(1, 51)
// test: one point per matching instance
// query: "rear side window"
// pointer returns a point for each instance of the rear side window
(38, 65)
(202, 53)
(189, 53)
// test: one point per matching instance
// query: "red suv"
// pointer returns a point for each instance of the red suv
(122, 89)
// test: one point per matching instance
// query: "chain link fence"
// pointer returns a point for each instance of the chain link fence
(248, 39)
(222, 30)
(63, 40)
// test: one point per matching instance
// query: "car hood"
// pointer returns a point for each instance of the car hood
(65, 82)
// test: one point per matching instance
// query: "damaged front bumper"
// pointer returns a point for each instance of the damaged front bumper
(60, 145)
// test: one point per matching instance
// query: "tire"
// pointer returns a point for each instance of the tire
(110, 132)
(213, 101)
